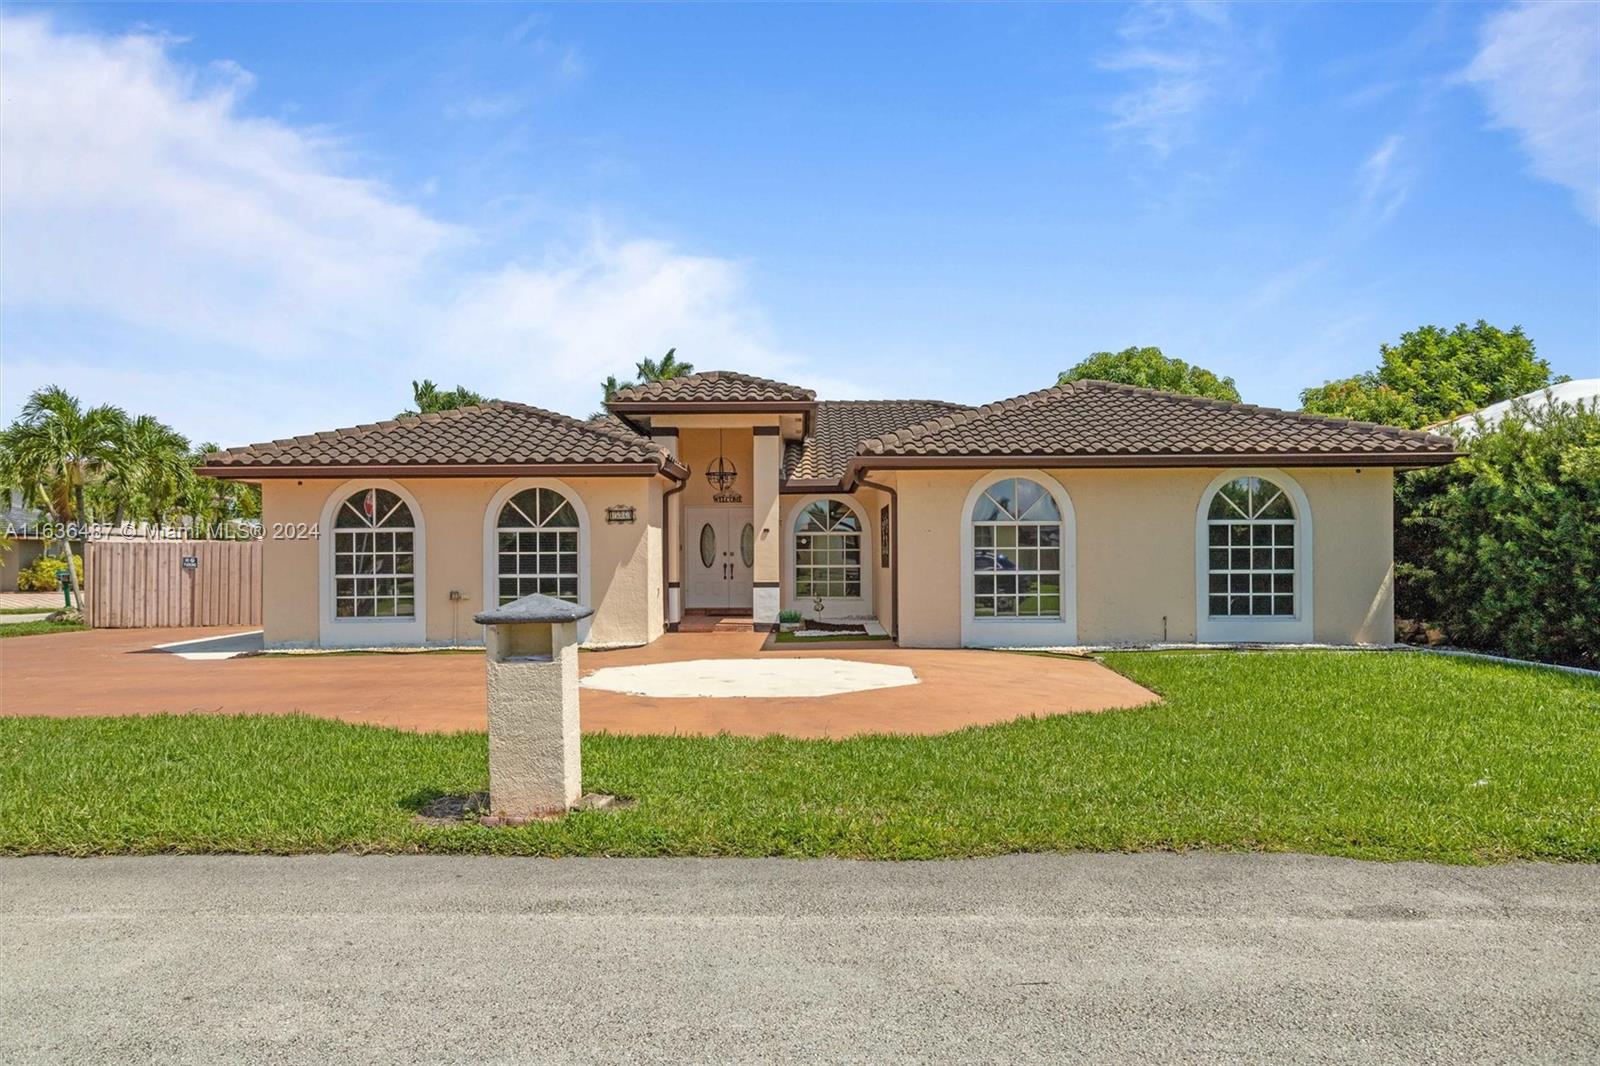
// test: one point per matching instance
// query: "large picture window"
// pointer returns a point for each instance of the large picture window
(536, 536)
(827, 552)
(1016, 552)
(1250, 537)
(374, 561)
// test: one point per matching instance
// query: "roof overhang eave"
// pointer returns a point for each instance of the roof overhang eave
(800, 486)
(861, 464)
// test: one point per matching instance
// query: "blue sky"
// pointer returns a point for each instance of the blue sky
(259, 221)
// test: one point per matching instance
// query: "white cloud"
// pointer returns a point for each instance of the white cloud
(164, 249)
(564, 324)
(1538, 68)
(1385, 179)
(1179, 59)
(133, 187)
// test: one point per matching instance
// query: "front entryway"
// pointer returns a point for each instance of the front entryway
(719, 548)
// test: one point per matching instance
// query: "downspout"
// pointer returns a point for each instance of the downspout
(894, 555)
(666, 552)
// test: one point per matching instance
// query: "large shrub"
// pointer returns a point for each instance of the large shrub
(40, 575)
(1503, 548)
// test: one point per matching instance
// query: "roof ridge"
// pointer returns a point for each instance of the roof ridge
(363, 430)
(640, 392)
(968, 415)
(1398, 432)
(941, 403)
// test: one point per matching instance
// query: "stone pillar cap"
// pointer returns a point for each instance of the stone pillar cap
(534, 608)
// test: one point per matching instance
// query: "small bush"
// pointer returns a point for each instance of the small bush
(1503, 547)
(789, 617)
(40, 575)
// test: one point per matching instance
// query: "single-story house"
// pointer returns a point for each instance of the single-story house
(1090, 512)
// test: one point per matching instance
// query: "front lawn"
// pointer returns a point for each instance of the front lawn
(39, 628)
(1377, 755)
(780, 637)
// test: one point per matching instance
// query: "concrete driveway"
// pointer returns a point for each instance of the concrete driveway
(1083, 958)
(121, 671)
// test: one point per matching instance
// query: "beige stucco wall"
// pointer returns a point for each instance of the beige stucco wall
(1136, 552)
(624, 560)
(21, 555)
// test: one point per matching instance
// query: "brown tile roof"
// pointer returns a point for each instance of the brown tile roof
(1103, 420)
(715, 386)
(839, 426)
(499, 434)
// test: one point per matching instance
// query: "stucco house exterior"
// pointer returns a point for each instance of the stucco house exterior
(1090, 512)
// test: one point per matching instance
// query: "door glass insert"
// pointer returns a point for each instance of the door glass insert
(747, 545)
(708, 545)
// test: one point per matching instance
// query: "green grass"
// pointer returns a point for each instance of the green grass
(781, 637)
(35, 629)
(1383, 756)
(353, 652)
(30, 610)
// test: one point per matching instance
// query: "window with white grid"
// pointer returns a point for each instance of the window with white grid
(1251, 538)
(827, 552)
(374, 568)
(1016, 552)
(537, 540)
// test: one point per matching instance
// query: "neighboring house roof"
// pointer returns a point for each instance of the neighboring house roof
(1584, 390)
(722, 388)
(839, 427)
(1100, 423)
(492, 438)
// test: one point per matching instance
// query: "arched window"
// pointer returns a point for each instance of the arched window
(827, 551)
(374, 561)
(536, 535)
(1251, 545)
(1016, 551)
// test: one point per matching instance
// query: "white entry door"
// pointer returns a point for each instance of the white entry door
(719, 555)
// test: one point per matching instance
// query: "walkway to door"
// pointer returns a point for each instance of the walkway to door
(695, 621)
(118, 671)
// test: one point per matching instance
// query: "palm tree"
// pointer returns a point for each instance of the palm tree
(150, 472)
(668, 368)
(430, 399)
(54, 450)
(648, 370)
(210, 503)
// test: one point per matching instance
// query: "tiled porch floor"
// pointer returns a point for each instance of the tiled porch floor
(114, 671)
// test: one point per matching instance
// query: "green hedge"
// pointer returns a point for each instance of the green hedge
(40, 575)
(1502, 549)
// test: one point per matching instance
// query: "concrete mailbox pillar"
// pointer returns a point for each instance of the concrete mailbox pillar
(535, 768)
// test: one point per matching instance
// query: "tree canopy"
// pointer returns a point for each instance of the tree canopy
(1503, 547)
(1148, 368)
(99, 464)
(1433, 375)
(429, 399)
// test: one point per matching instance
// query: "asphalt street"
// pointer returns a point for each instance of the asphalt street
(1079, 958)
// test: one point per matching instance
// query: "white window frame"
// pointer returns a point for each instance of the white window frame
(491, 543)
(335, 632)
(1270, 629)
(837, 607)
(1039, 632)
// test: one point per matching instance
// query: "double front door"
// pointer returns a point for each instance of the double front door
(719, 558)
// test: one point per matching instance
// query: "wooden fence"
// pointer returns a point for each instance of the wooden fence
(145, 583)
